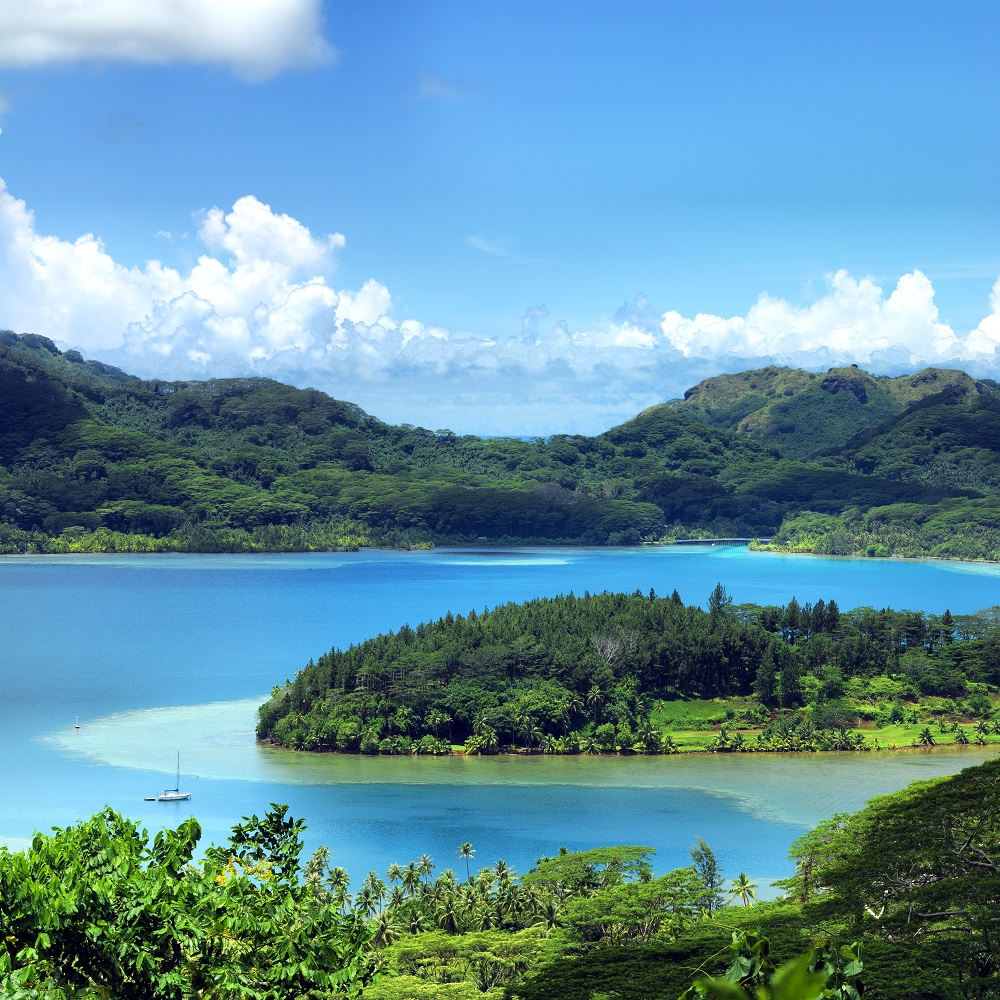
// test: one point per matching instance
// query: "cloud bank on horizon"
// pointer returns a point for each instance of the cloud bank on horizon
(261, 300)
(254, 38)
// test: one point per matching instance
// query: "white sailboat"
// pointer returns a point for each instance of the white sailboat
(174, 794)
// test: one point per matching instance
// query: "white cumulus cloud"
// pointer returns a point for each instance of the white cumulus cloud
(853, 320)
(259, 300)
(254, 38)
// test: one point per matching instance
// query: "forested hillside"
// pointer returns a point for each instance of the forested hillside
(629, 673)
(93, 459)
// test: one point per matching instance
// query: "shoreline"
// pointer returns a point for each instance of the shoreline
(788, 551)
(459, 546)
(888, 750)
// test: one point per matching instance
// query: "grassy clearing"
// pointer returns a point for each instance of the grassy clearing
(694, 724)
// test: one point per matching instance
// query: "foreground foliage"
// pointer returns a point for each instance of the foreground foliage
(895, 902)
(99, 910)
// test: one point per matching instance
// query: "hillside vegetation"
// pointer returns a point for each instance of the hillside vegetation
(93, 459)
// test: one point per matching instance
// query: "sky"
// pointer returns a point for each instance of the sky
(501, 218)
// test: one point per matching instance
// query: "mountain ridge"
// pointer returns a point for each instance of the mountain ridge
(95, 459)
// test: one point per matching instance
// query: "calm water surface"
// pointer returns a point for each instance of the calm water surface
(160, 653)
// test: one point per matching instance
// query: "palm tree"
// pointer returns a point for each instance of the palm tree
(385, 929)
(375, 887)
(483, 741)
(403, 719)
(926, 737)
(484, 880)
(316, 868)
(564, 714)
(425, 865)
(962, 737)
(574, 703)
(395, 873)
(742, 887)
(411, 878)
(365, 904)
(503, 871)
(468, 852)
(482, 918)
(548, 917)
(449, 913)
(435, 719)
(338, 882)
(594, 699)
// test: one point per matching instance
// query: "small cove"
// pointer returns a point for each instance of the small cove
(157, 654)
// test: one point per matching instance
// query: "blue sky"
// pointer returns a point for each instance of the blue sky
(503, 218)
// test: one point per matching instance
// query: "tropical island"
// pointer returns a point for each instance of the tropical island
(637, 673)
(843, 462)
(895, 901)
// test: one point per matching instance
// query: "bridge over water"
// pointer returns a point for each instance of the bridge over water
(718, 541)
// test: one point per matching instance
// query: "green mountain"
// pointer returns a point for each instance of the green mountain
(94, 459)
(806, 414)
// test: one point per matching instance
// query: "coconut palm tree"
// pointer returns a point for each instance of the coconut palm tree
(926, 737)
(503, 871)
(648, 736)
(316, 871)
(574, 703)
(594, 699)
(742, 887)
(385, 928)
(425, 865)
(404, 719)
(484, 881)
(548, 916)
(468, 852)
(448, 913)
(375, 887)
(365, 904)
(411, 878)
(482, 918)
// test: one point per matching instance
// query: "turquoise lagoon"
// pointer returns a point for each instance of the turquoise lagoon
(157, 654)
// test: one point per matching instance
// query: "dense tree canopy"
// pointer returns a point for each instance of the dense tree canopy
(586, 674)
